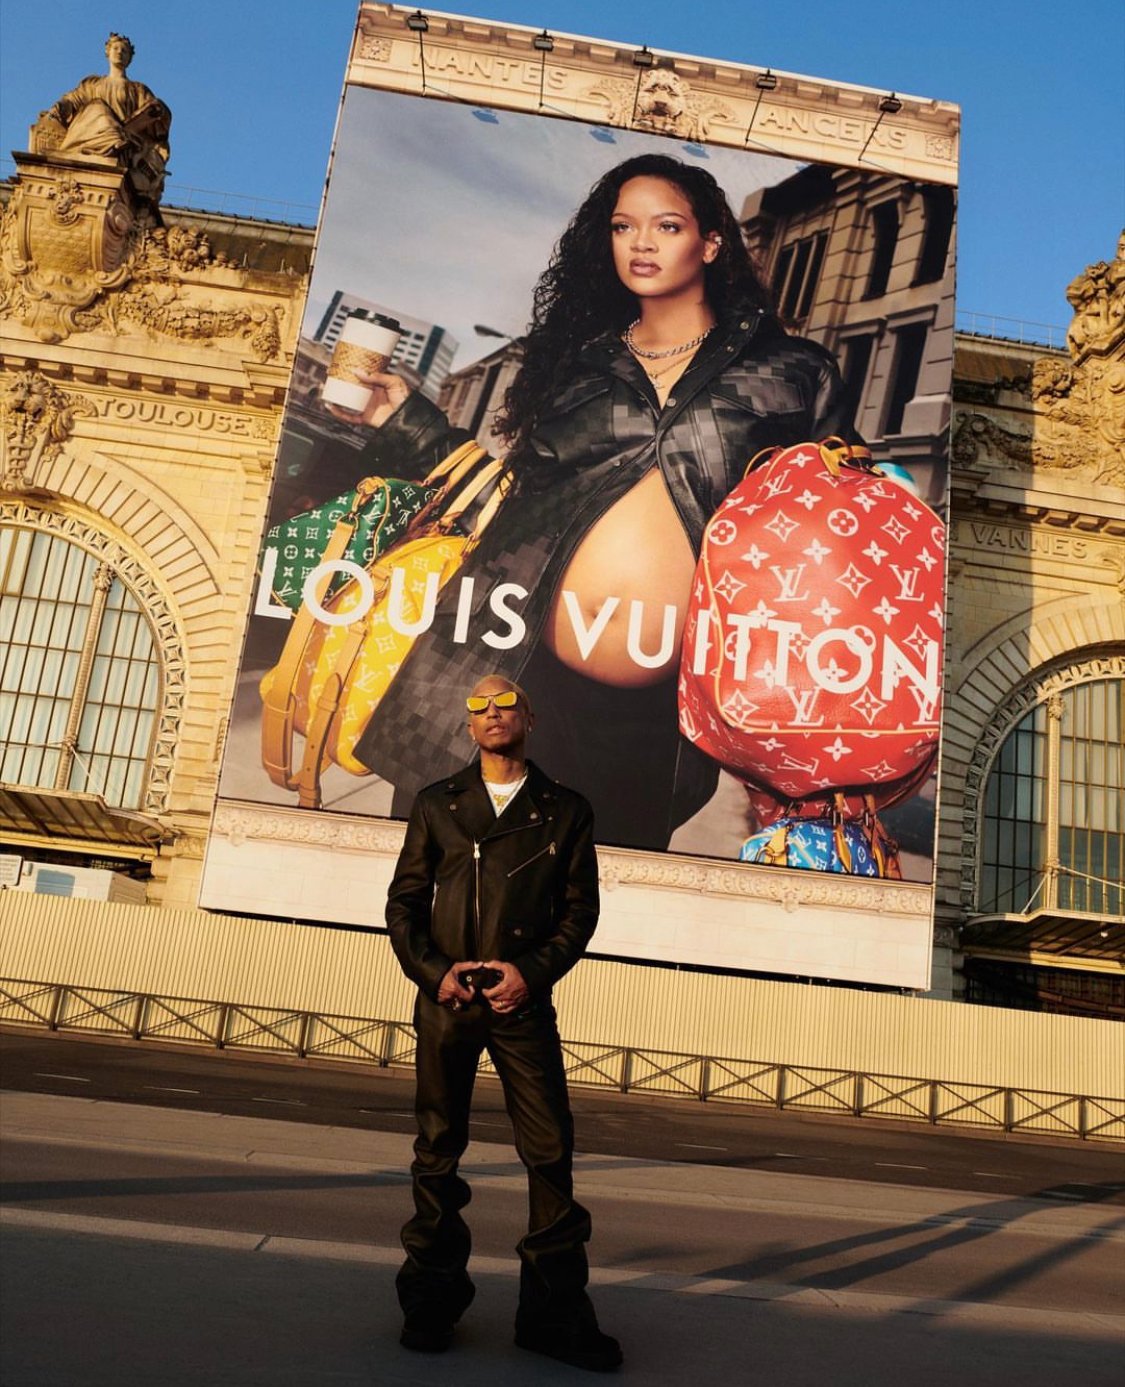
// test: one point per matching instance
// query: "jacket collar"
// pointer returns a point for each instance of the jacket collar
(474, 812)
(608, 353)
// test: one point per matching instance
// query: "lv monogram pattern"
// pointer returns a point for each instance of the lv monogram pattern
(812, 649)
(426, 565)
(300, 542)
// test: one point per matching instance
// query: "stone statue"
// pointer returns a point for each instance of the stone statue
(1097, 296)
(110, 117)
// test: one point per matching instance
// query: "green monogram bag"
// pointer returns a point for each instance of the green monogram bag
(378, 512)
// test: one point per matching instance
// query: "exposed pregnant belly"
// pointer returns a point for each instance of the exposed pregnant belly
(639, 554)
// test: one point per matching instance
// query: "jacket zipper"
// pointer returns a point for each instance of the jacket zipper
(548, 850)
(476, 896)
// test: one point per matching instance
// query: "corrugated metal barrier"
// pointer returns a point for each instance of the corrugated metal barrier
(303, 1034)
(628, 1025)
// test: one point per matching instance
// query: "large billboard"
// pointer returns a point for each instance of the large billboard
(600, 391)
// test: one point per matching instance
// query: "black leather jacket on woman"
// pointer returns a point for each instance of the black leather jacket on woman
(749, 387)
(521, 887)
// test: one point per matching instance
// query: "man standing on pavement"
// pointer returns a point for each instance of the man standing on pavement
(494, 898)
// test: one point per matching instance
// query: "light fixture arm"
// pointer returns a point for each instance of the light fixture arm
(544, 43)
(766, 82)
(889, 105)
(418, 24)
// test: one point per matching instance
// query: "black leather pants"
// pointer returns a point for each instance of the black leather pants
(528, 1057)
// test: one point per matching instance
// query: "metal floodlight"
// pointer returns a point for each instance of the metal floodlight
(766, 81)
(417, 23)
(543, 43)
(890, 105)
(644, 57)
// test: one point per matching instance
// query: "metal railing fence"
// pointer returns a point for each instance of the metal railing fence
(626, 1069)
(1021, 330)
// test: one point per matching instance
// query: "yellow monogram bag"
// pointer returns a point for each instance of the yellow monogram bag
(332, 674)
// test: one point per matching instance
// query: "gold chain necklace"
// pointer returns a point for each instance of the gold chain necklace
(500, 797)
(669, 351)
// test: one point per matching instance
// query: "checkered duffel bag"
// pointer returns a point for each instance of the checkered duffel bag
(811, 657)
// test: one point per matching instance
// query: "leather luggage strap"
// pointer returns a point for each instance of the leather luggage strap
(279, 704)
(324, 716)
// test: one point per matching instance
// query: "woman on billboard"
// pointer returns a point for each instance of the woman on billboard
(653, 370)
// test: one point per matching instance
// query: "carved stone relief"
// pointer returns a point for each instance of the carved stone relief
(374, 50)
(38, 418)
(661, 101)
(1097, 296)
(100, 268)
(792, 890)
(1079, 405)
(975, 435)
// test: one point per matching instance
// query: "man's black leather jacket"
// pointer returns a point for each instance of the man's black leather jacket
(521, 887)
(749, 387)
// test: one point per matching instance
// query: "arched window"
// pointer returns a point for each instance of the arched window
(1054, 807)
(80, 677)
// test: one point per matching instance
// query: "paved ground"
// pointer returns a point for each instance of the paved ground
(149, 1245)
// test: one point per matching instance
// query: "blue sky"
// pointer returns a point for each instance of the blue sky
(254, 87)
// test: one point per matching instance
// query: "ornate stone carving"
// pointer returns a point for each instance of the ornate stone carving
(176, 316)
(240, 822)
(66, 240)
(975, 434)
(375, 50)
(662, 102)
(97, 267)
(110, 119)
(177, 250)
(169, 640)
(38, 418)
(940, 147)
(66, 196)
(192, 846)
(791, 890)
(1097, 296)
(1091, 397)
(82, 247)
(1079, 404)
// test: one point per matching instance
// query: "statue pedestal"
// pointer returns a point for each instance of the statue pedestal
(68, 236)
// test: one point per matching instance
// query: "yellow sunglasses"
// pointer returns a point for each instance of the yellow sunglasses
(478, 703)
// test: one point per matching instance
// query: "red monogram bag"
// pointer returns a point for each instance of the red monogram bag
(811, 659)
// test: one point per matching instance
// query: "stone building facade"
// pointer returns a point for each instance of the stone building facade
(1031, 856)
(146, 355)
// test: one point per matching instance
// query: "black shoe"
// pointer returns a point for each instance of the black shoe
(427, 1332)
(580, 1345)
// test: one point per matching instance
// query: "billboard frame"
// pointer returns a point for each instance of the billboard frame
(739, 107)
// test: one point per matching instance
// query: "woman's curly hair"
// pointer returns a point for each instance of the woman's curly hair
(579, 296)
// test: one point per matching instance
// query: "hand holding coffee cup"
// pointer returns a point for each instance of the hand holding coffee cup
(387, 392)
(358, 369)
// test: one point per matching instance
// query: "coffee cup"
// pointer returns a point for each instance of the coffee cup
(366, 344)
